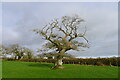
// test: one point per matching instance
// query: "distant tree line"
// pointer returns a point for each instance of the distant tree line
(113, 61)
(19, 53)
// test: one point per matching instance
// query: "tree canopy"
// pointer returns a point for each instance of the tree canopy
(62, 34)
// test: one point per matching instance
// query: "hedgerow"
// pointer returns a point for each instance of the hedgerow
(115, 61)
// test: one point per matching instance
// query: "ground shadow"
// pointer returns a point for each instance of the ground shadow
(41, 65)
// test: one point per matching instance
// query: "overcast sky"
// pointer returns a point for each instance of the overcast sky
(101, 18)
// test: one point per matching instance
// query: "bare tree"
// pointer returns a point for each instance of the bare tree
(17, 51)
(28, 53)
(0, 50)
(62, 36)
(4, 51)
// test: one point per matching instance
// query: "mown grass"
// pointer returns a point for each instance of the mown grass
(15, 69)
(0, 69)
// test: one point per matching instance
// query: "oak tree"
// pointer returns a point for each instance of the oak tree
(62, 35)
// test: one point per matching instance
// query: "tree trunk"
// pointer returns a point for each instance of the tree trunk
(15, 57)
(19, 57)
(58, 64)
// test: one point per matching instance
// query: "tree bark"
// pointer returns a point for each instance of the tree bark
(19, 57)
(15, 57)
(58, 63)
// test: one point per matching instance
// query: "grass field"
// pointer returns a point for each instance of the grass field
(13, 69)
(0, 69)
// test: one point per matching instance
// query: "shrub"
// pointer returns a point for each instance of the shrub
(99, 64)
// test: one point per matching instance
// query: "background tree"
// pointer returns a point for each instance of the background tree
(0, 50)
(17, 51)
(21, 52)
(28, 53)
(4, 51)
(62, 36)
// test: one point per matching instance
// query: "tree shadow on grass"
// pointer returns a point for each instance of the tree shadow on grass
(41, 65)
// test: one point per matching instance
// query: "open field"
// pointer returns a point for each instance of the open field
(0, 69)
(15, 69)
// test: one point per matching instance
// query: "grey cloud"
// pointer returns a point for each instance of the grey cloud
(101, 22)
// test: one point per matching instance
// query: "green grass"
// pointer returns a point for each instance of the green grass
(0, 69)
(13, 69)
